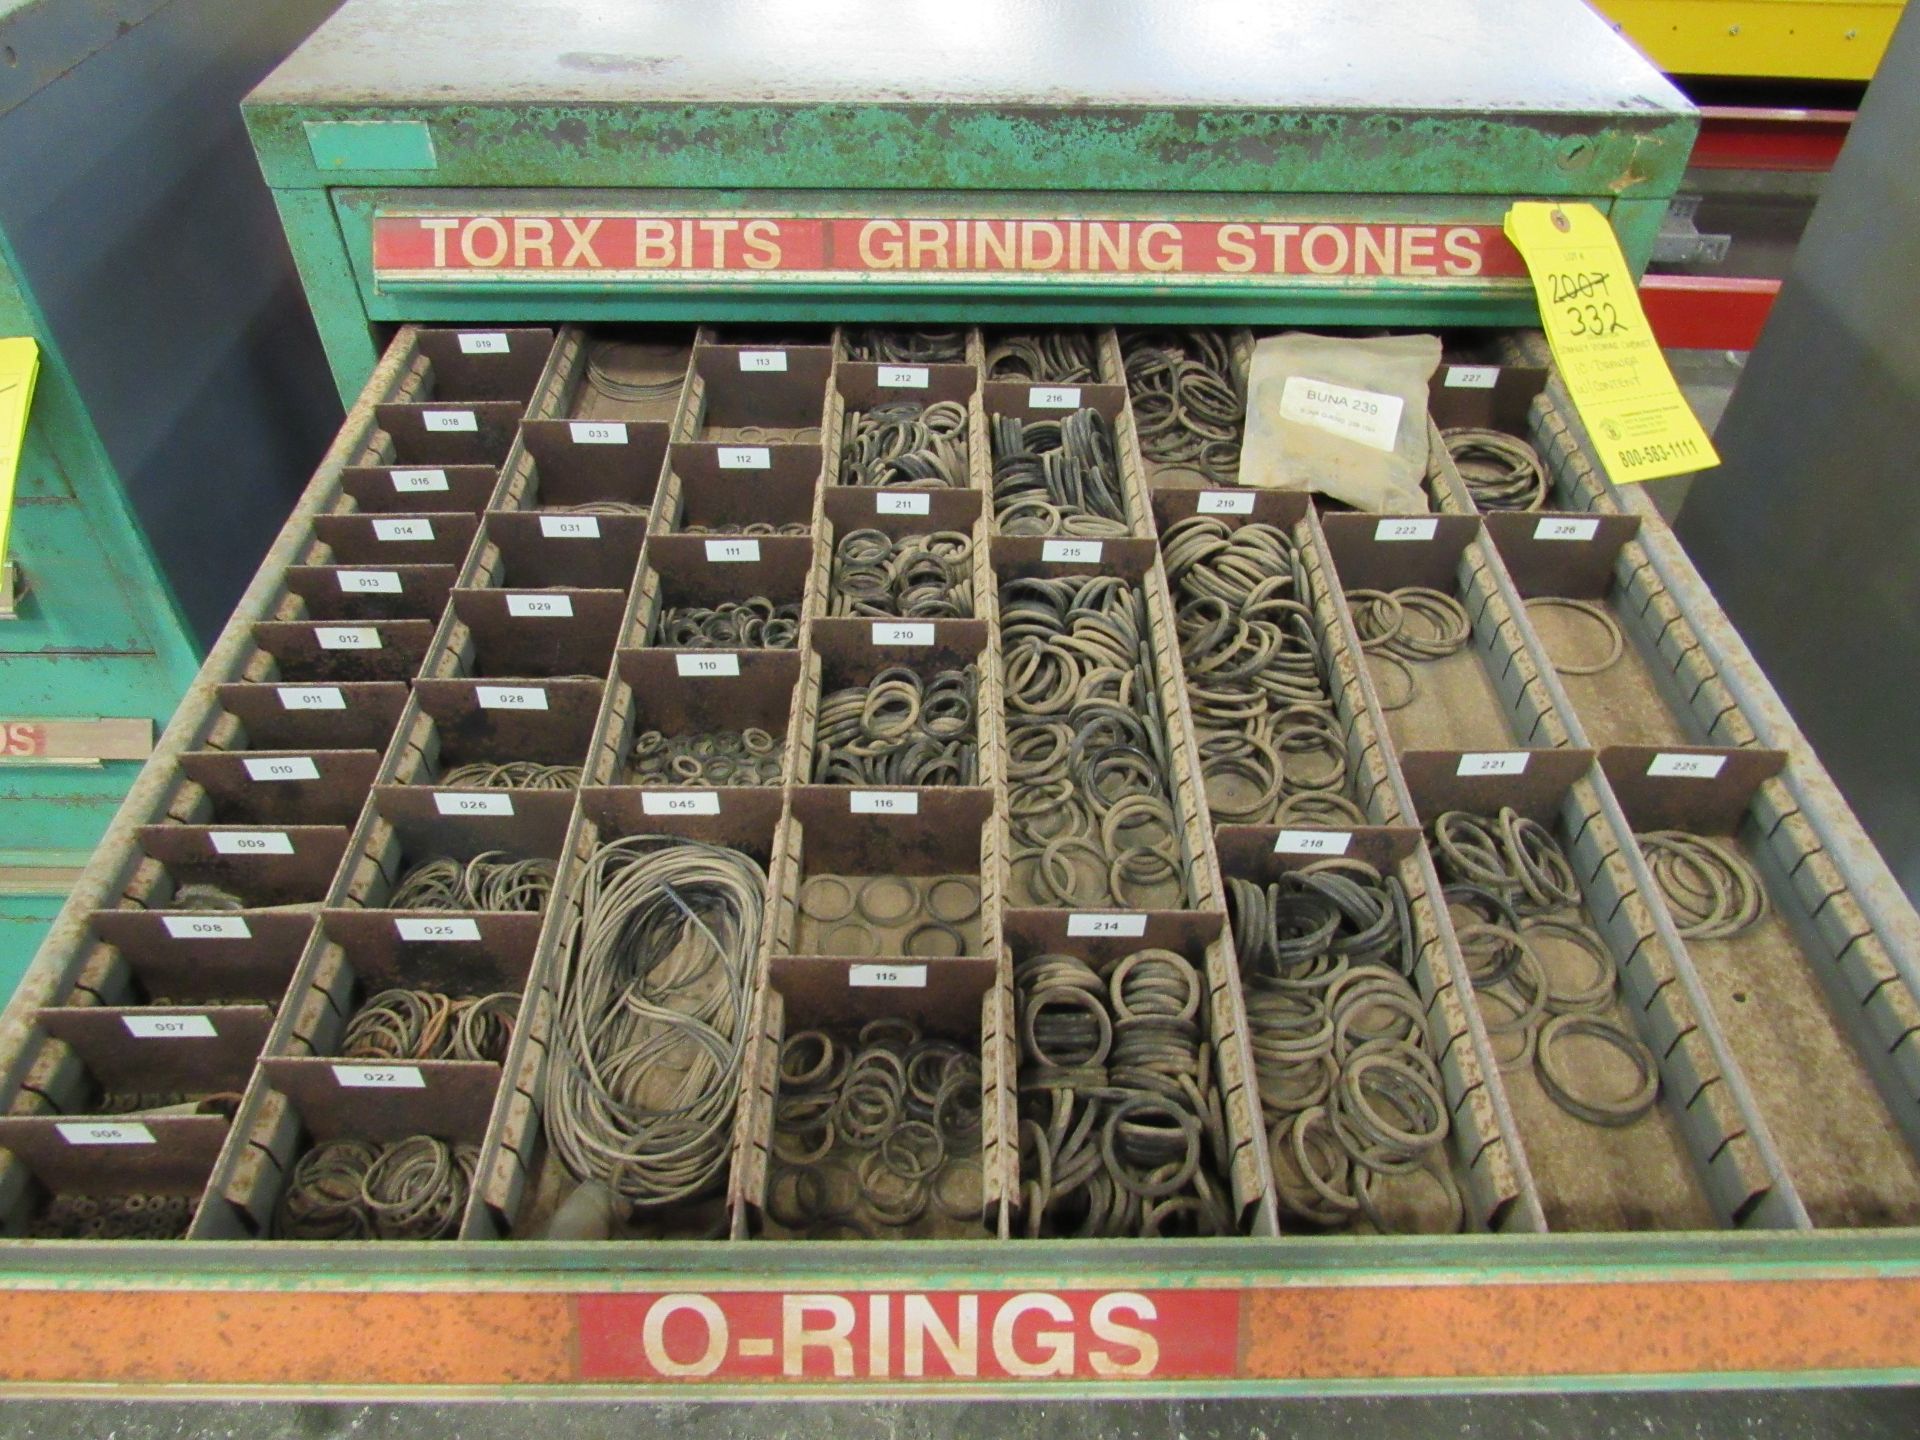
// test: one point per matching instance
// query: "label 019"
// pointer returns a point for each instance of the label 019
(680, 802)
(1130, 927)
(483, 342)
(883, 802)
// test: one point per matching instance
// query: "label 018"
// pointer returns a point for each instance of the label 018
(1130, 927)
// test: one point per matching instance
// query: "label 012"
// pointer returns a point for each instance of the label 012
(1687, 767)
(680, 802)
(896, 977)
(883, 802)
(347, 637)
(1130, 927)
(1312, 842)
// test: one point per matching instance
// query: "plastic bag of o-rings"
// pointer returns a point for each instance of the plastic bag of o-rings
(1346, 418)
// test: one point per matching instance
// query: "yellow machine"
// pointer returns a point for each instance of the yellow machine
(1776, 39)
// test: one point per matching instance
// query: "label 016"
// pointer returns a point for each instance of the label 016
(413, 482)
(1130, 927)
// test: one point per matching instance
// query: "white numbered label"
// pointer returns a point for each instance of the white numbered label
(883, 802)
(1366, 417)
(733, 552)
(901, 502)
(510, 697)
(379, 1077)
(403, 529)
(346, 637)
(1129, 927)
(1072, 552)
(903, 632)
(744, 457)
(1406, 529)
(763, 362)
(1312, 842)
(1054, 397)
(483, 342)
(892, 977)
(1562, 527)
(680, 802)
(311, 697)
(1510, 762)
(251, 842)
(437, 930)
(1472, 377)
(903, 377)
(418, 482)
(90, 1133)
(170, 1027)
(706, 665)
(456, 804)
(206, 927)
(528, 606)
(1687, 767)
(281, 767)
(450, 422)
(369, 582)
(1225, 502)
(570, 527)
(598, 432)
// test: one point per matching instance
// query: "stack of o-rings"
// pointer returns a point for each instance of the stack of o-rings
(906, 443)
(1512, 880)
(413, 1189)
(1122, 1132)
(1345, 1061)
(900, 728)
(491, 880)
(1711, 888)
(600, 507)
(1501, 471)
(1272, 751)
(401, 1024)
(907, 347)
(113, 1217)
(873, 1136)
(915, 577)
(1613, 639)
(755, 529)
(1089, 770)
(713, 757)
(756, 623)
(1058, 477)
(1048, 357)
(1408, 626)
(1187, 405)
(861, 915)
(510, 775)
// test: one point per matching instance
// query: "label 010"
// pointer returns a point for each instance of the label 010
(1406, 529)
(281, 767)
(251, 842)
(883, 802)
(440, 930)
(454, 803)
(897, 977)
(170, 1027)
(707, 665)
(1312, 842)
(1510, 762)
(680, 802)
(1130, 927)
(1687, 767)
(733, 552)
(206, 927)
(379, 1077)
(510, 697)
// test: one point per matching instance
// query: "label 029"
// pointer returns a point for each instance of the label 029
(531, 607)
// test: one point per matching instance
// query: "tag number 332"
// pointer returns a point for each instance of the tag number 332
(1596, 319)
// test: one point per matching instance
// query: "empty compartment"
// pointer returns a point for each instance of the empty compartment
(414, 539)
(1444, 653)
(904, 555)
(420, 489)
(622, 1118)
(1629, 1117)
(484, 364)
(757, 394)
(1567, 569)
(190, 959)
(740, 490)
(586, 467)
(905, 882)
(460, 852)
(308, 651)
(668, 727)
(1802, 1029)
(221, 868)
(283, 787)
(128, 1180)
(1060, 463)
(562, 551)
(534, 635)
(913, 427)
(739, 593)
(900, 703)
(360, 716)
(455, 741)
(372, 592)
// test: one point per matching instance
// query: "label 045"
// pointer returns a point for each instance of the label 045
(680, 802)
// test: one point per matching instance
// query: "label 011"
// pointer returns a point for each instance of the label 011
(598, 432)
(528, 607)
(206, 927)
(1072, 552)
(901, 502)
(251, 842)
(123, 1133)
(311, 697)
(680, 802)
(1129, 927)
(450, 422)
(570, 527)
(440, 930)
(707, 665)
(903, 377)
(883, 802)
(1225, 502)
(1566, 527)
(1054, 397)
(281, 767)
(1509, 762)
(510, 697)
(1312, 842)
(170, 1027)
(744, 457)
(903, 632)
(1406, 529)
(455, 803)
(379, 1077)
(896, 977)
(763, 362)
(733, 552)
(1687, 767)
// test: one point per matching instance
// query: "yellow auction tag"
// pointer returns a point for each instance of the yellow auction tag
(19, 366)
(1640, 422)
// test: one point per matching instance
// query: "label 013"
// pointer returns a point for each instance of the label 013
(1509, 762)
(369, 582)
(441, 930)
(707, 665)
(680, 802)
(1129, 927)
(379, 1077)
(882, 802)
(170, 1027)
(1687, 767)
(897, 977)
(1312, 842)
